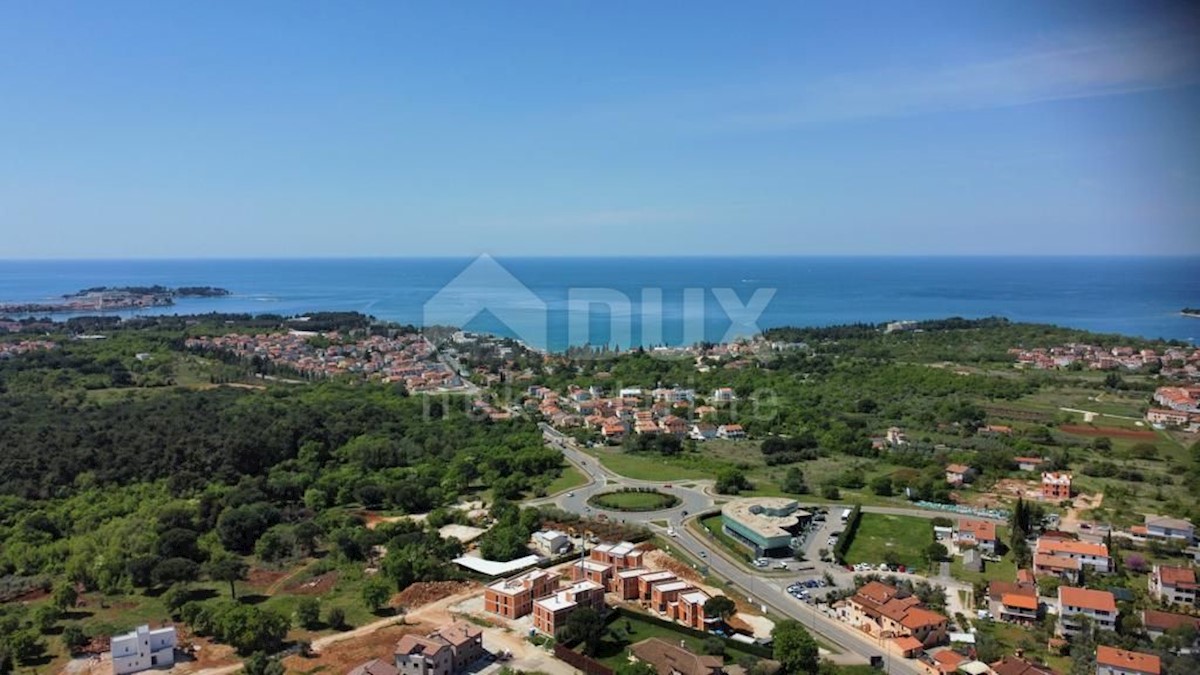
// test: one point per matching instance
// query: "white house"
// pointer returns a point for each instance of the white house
(550, 542)
(1173, 585)
(731, 431)
(143, 648)
(1098, 606)
(703, 431)
(1164, 527)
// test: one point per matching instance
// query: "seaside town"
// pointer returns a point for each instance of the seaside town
(404, 358)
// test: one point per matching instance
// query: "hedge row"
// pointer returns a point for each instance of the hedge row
(847, 535)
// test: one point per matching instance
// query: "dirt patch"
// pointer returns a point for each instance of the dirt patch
(425, 592)
(605, 530)
(657, 559)
(318, 585)
(1114, 432)
(261, 578)
(377, 644)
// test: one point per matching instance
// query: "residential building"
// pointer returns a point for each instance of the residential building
(1163, 527)
(591, 570)
(1173, 585)
(513, 598)
(765, 524)
(723, 395)
(980, 534)
(143, 648)
(664, 594)
(1013, 602)
(879, 610)
(703, 431)
(647, 582)
(550, 613)
(1092, 556)
(1098, 606)
(731, 431)
(625, 583)
(689, 609)
(1157, 624)
(1056, 486)
(959, 474)
(1028, 463)
(1113, 661)
(446, 651)
(896, 436)
(1168, 418)
(670, 659)
(621, 556)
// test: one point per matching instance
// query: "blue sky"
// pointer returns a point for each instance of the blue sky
(166, 129)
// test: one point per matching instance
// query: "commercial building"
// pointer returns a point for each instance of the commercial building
(765, 524)
(143, 648)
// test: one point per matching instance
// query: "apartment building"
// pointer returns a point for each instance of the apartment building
(550, 613)
(1056, 486)
(1113, 661)
(1098, 606)
(513, 598)
(621, 556)
(1052, 554)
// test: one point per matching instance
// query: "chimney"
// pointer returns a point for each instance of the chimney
(1020, 653)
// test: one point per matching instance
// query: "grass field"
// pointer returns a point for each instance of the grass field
(732, 546)
(650, 467)
(906, 537)
(633, 501)
(570, 478)
(628, 629)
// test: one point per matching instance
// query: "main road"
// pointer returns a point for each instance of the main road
(696, 497)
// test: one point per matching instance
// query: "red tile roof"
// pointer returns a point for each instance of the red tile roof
(1127, 660)
(1086, 598)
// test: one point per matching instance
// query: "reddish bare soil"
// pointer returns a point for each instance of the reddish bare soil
(259, 577)
(1115, 432)
(378, 644)
(425, 592)
(318, 585)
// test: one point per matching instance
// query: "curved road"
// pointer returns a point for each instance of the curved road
(762, 590)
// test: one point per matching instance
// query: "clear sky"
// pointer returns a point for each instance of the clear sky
(192, 129)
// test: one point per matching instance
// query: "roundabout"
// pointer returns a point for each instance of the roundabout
(633, 500)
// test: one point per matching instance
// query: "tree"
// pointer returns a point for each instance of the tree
(719, 606)
(336, 618)
(830, 491)
(46, 617)
(731, 481)
(74, 638)
(65, 596)
(376, 593)
(175, 597)
(584, 625)
(308, 613)
(260, 664)
(882, 486)
(230, 569)
(936, 552)
(174, 570)
(793, 482)
(795, 648)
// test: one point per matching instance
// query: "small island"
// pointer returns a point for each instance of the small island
(114, 298)
(1190, 311)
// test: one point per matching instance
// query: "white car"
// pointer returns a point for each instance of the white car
(671, 533)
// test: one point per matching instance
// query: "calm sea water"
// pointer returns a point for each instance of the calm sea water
(1134, 296)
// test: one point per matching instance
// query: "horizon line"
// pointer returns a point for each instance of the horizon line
(696, 256)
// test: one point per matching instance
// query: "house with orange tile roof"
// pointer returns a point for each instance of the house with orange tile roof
(1013, 602)
(1028, 463)
(1052, 556)
(1113, 661)
(1017, 665)
(1100, 607)
(976, 533)
(1173, 585)
(879, 610)
(958, 474)
(1156, 623)
(731, 431)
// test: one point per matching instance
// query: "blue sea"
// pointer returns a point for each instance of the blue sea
(1133, 296)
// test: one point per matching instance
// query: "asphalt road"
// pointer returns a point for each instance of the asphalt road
(760, 589)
